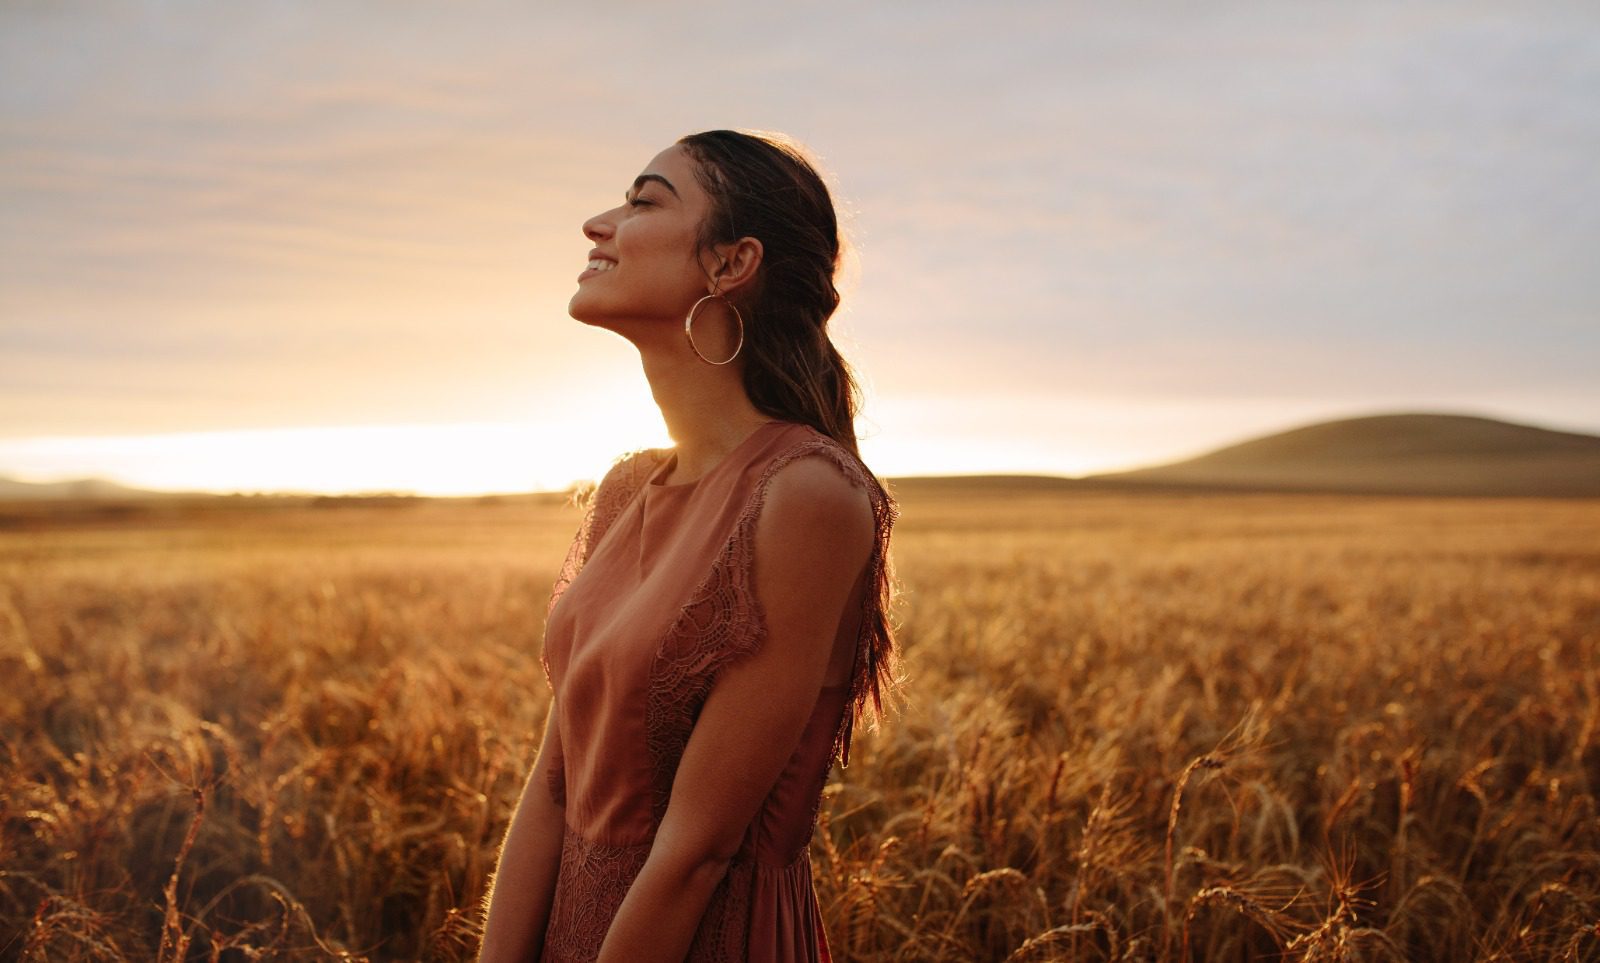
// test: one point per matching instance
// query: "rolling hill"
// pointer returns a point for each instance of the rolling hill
(74, 489)
(1421, 454)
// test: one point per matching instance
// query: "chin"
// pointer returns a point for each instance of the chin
(579, 311)
(586, 313)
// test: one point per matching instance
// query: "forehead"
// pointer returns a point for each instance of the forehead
(680, 169)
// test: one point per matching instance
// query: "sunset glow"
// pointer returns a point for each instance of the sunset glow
(450, 459)
(302, 247)
(459, 459)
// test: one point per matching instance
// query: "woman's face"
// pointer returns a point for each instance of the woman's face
(646, 264)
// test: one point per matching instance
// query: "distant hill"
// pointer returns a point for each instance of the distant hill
(1412, 454)
(1432, 454)
(76, 489)
(982, 486)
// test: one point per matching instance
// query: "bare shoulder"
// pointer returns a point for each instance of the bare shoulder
(811, 499)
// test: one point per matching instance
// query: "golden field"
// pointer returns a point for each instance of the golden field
(1135, 727)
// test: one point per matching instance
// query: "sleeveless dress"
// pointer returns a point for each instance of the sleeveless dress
(657, 595)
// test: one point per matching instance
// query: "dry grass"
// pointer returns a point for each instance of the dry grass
(1139, 727)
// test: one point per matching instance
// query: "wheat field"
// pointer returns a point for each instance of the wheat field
(1134, 727)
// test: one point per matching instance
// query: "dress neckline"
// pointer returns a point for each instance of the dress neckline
(654, 483)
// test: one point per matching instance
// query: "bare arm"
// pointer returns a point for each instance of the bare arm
(812, 540)
(525, 879)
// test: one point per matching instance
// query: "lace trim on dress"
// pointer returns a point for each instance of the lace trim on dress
(874, 645)
(594, 878)
(602, 506)
(723, 621)
(623, 481)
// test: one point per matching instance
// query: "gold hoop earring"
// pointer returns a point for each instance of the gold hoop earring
(688, 328)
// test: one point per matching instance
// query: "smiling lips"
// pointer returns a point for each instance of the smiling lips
(597, 265)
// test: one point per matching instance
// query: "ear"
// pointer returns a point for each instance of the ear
(733, 266)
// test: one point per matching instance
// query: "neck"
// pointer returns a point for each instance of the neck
(705, 408)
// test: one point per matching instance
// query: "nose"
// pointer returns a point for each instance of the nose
(599, 227)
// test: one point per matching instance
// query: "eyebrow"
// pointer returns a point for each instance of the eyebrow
(644, 179)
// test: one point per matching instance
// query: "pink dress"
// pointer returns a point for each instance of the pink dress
(656, 597)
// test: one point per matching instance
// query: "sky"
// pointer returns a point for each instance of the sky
(329, 245)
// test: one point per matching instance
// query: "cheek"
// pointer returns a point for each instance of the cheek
(664, 249)
(637, 243)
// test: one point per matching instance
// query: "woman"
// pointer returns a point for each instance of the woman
(721, 619)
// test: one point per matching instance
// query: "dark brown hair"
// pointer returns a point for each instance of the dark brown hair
(763, 186)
